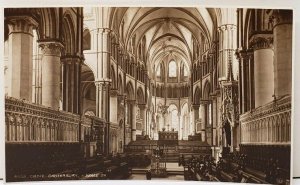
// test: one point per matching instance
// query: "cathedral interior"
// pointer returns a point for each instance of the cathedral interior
(186, 93)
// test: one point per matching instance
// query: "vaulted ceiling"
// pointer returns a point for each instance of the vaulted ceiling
(169, 33)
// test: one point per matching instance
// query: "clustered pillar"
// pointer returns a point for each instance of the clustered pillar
(71, 70)
(143, 111)
(246, 81)
(102, 80)
(113, 113)
(203, 121)
(227, 47)
(133, 123)
(196, 116)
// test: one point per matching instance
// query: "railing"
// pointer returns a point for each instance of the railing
(268, 124)
(28, 122)
(180, 149)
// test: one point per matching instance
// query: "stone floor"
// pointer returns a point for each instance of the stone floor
(170, 166)
(143, 177)
(173, 168)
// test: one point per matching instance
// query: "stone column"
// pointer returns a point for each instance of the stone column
(148, 121)
(282, 31)
(102, 99)
(37, 73)
(71, 78)
(103, 54)
(126, 117)
(133, 121)
(102, 80)
(179, 125)
(113, 106)
(196, 116)
(51, 52)
(227, 33)
(263, 68)
(20, 41)
(143, 109)
(244, 92)
(214, 121)
(203, 121)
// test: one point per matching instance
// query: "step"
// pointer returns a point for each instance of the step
(170, 172)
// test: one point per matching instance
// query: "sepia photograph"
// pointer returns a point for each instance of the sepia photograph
(148, 93)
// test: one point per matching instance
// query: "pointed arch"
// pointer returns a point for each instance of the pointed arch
(130, 91)
(113, 77)
(197, 95)
(86, 43)
(120, 84)
(172, 68)
(140, 96)
(206, 90)
(69, 34)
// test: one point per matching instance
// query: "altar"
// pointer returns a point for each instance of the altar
(168, 138)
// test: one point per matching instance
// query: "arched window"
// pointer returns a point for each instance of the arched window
(174, 119)
(209, 114)
(185, 71)
(173, 122)
(86, 44)
(172, 69)
(158, 71)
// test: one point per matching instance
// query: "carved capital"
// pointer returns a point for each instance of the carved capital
(226, 27)
(204, 102)
(104, 30)
(243, 55)
(132, 102)
(102, 82)
(121, 97)
(282, 17)
(69, 59)
(21, 24)
(113, 92)
(142, 106)
(196, 106)
(51, 48)
(261, 41)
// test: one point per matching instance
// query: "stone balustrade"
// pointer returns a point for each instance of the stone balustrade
(268, 124)
(28, 122)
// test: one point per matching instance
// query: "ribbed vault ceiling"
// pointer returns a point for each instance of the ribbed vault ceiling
(168, 31)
